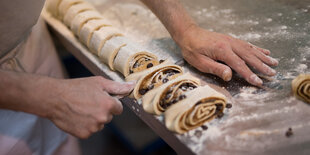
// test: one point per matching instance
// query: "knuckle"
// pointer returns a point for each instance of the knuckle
(102, 119)
(98, 78)
(84, 135)
(221, 46)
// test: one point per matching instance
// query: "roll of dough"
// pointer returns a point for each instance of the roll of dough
(136, 76)
(52, 7)
(154, 77)
(301, 87)
(81, 18)
(99, 38)
(110, 49)
(89, 28)
(131, 59)
(158, 100)
(75, 10)
(201, 105)
(65, 5)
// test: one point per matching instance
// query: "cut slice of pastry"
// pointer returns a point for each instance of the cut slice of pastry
(75, 10)
(301, 87)
(65, 5)
(110, 49)
(52, 7)
(153, 78)
(158, 100)
(89, 28)
(136, 76)
(200, 105)
(131, 59)
(99, 38)
(82, 18)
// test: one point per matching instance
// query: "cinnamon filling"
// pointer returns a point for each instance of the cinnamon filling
(158, 78)
(175, 93)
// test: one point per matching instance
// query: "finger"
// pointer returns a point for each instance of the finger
(265, 51)
(100, 126)
(208, 65)
(110, 117)
(118, 88)
(259, 65)
(236, 63)
(117, 107)
(267, 59)
(114, 107)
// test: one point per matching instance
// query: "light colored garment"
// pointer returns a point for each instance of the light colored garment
(22, 133)
(17, 19)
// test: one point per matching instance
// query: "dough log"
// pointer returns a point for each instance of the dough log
(301, 87)
(52, 7)
(89, 28)
(131, 59)
(200, 105)
(75, 10)
(82, 18)
(99, 38)
(110, 49)
(158, 100)
(153, 78)
(65, 5)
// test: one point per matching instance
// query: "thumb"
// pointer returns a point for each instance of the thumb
(208, 65)
(118, 88)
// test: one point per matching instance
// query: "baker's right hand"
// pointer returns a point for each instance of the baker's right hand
(83, 106)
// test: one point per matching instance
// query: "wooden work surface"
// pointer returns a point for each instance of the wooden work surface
(259, 119)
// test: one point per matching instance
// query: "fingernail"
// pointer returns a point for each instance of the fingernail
(131, 82)
(255, 80)
(226, 75)
(269, 71)
(273, 60)
(272, 71)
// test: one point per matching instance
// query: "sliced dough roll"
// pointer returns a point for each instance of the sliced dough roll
(89, 28)
(52, 7)
(153, 78)
(110, 49)
(301, 87)
(158, 100)
(81, 18)
(131, 59)
(75, 10)
(99, 38)
(136, 76)
(65, 5)
(201, 105)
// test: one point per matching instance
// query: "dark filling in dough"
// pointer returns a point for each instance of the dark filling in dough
(173, 95)
(158, 79)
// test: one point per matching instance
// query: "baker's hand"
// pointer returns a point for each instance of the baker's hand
(84, 105)
(202, 49)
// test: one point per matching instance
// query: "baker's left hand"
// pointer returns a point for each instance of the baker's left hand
(202, 49)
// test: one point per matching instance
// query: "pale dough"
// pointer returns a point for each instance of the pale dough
(110, 49)
(76, 9)
(81, 18)
(99, 38)
(52, 7)
(301, 87)
(129, 55)
(89, 28)
(151, 100)
(65, 5)
(192, 112)
(138, 75)
(153, 76)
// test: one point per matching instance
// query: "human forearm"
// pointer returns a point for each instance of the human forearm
(26, 92)
(173, 16)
